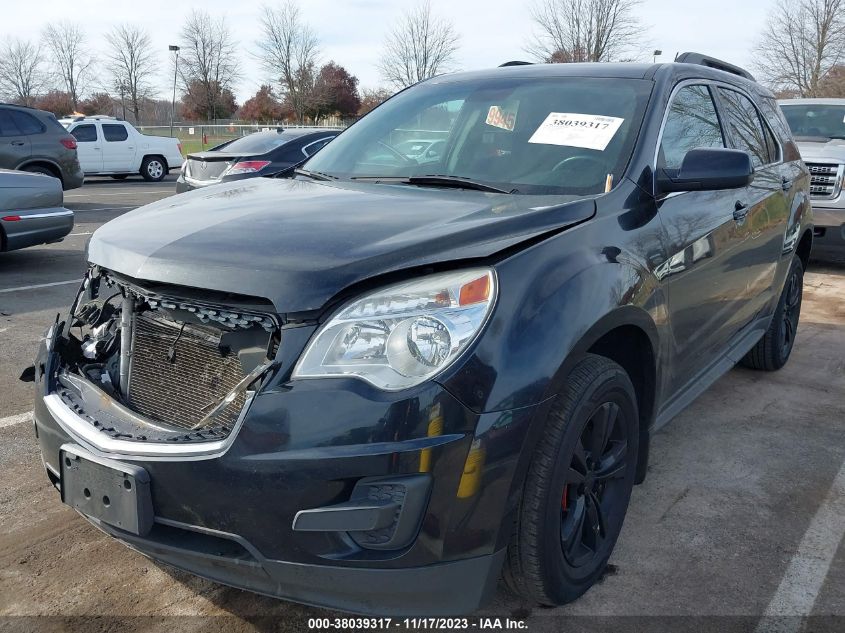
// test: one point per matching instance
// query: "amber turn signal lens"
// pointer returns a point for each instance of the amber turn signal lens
(475, 291)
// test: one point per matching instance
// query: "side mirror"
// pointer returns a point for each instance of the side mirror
(707, 170)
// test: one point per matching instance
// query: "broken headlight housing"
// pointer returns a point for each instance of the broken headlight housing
(404, 334)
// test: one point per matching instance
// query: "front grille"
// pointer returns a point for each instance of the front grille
(825, 180)
(206, 170)
(178, 373)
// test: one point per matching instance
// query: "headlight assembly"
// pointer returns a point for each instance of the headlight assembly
(402, 335)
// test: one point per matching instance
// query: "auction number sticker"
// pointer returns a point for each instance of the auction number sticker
(591, 131)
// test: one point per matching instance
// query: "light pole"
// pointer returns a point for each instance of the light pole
(657, 53)
(123, 89)
(175, 49)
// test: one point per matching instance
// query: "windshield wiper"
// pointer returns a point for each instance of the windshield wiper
(314, 175)
(456, 182)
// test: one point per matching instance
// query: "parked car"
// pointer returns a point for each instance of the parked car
(111, 147)
(31, 210)
(375, 387)
(819, 129)
(33, 140)
(257, 154)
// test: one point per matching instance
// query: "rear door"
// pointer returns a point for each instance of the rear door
(118, 148)
(15, 146)
(765, 200)
(704, 241)
(88, 147)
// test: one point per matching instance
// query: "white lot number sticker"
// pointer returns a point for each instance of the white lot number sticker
(590, 131)
(501, 117)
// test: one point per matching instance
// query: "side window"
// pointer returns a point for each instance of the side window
(113, 132)
(313, 147)
(746, 127)
(7, 124)
(691, 123)
(26, 123)
(85, 133)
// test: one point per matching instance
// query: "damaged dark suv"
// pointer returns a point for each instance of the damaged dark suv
(381, 382)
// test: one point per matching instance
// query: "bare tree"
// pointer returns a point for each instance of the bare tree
(131, 64)
(208, 59)
(420, 46)
(585, 30)
(802, 42)
(289, 51)
(22, 77)
(73, 64)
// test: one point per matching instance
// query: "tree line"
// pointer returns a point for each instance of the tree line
(799, 52)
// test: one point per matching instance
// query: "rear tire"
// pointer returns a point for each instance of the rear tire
(773, 350)
(40, 169)
(153, 169)
(573, 504)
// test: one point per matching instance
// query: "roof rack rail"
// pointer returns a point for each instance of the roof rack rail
(18, 105)
(712, 62)
(515, 62)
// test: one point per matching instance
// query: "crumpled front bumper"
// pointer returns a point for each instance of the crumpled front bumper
(305, 444)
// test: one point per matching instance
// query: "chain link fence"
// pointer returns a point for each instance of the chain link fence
(196, 137)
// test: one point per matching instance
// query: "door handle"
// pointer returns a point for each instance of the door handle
(18, 143)
(740, 211)
(785, 183)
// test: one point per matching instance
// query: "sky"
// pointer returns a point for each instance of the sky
(351, 32)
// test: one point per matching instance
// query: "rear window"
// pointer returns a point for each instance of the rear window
(258, 143)
(113, 132)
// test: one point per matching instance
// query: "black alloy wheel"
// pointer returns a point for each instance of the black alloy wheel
(579, 482)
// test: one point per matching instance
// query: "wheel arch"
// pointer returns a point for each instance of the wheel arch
(805, 245)
(43, 162)
(155, 155)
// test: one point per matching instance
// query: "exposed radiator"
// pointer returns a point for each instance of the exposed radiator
(178, 378)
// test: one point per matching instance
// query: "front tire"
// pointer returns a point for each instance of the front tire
(153, 169)
(773, 350)
(577, 488)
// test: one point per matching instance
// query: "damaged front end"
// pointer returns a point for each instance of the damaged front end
(153, 366)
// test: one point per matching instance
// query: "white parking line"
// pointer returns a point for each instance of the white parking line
(36, 286)
(12, 420)
(75, 234)
(808, 568)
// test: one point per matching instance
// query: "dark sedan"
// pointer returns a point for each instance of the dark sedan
(259, 154)
(31, 210)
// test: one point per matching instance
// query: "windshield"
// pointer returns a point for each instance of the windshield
(827, 121)
(563, 135)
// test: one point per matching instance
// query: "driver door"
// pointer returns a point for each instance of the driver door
(703, 235)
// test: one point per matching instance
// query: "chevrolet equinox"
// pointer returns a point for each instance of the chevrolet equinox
(385, 379)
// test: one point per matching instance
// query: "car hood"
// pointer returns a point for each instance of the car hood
(825, 150)
(298, 243)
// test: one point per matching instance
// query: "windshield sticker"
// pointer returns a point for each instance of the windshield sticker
(590, 131)
(502, 118)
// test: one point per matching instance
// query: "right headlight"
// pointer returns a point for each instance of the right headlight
(402, 335)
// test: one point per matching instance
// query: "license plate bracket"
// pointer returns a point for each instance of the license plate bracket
(110, 491)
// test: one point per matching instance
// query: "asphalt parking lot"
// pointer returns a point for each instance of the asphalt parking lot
(738, 526)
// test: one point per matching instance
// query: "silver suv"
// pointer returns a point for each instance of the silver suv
(819, 129)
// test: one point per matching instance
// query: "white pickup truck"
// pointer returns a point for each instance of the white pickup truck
(107, 146)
